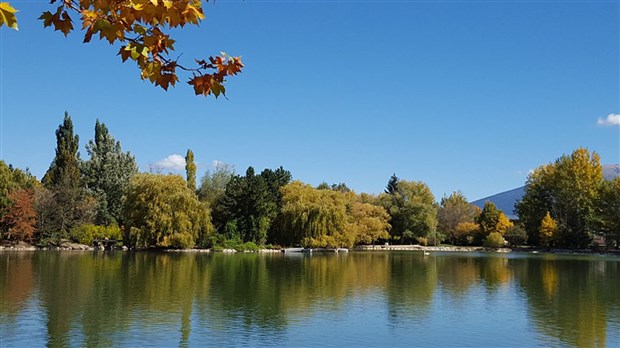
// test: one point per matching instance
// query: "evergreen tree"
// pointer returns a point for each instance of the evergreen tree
(107, 174)
(190, 170)
(250, 205)
(392, 185)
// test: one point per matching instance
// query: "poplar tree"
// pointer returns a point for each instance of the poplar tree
(190, 170)
(64, 171)
(69, 205)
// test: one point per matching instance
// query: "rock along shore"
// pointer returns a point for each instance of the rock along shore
(427, 248)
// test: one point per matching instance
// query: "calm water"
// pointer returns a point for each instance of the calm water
(368, 299)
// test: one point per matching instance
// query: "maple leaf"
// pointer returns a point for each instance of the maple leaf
(7, 15)
(139, 25)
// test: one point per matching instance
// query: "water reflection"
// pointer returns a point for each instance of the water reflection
(106, 299)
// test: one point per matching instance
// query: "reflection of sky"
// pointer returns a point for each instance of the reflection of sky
(400, 300)
(29, 325)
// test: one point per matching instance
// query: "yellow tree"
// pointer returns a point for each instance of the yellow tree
(503, 223)
(140, 26)
(548, 230)
(367, 222)
(465, 232)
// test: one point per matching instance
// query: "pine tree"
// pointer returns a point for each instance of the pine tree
(392, 185)
(190, 170)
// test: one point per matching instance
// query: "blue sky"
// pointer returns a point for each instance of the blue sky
(463, 95)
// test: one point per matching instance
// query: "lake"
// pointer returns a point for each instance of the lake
(360, 298)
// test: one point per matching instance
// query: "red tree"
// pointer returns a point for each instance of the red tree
(20, 219)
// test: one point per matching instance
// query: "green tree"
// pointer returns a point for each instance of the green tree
(607, 210)
(453, 210)
(213, 184)
(107, 174)
(548, 231)
(568, 190)
(537, 201)
(515, 235)
(392, 185)
(341, 186)
(64, 170)
(494, 240)
(250, 204)
(412, 210)
(70, 205)
(491, 220)
(190, 170)
(323, 186)
(488, 218)
(161, 211)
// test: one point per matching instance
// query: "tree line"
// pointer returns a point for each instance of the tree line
(566, 204)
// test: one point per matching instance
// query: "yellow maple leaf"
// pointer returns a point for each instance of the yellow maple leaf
(7, 15)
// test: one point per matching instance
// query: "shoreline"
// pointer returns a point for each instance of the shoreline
(360, 248)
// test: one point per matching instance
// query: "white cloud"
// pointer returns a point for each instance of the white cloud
(172, 162)
(216, 163)
(611, 120)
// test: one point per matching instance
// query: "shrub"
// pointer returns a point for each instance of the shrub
(249, 246)
(422, 241)
(465, 232)
(494, 240)
(86, 234)
(516, 235)
(181, 240)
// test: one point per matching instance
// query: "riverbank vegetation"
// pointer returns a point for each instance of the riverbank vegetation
(566, 204)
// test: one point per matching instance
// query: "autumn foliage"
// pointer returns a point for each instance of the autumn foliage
(20, 219)
(139, 26)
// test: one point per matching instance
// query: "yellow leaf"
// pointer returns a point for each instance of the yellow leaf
(7, 15)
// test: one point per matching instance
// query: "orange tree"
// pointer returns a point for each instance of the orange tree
(140, 27)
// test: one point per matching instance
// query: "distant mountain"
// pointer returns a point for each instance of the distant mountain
(505, 201)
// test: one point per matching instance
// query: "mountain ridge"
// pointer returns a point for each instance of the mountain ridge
(505, 201)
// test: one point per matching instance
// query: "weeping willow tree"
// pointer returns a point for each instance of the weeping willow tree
(161, 211)
(328, 218)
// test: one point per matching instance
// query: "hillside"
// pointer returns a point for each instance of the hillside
(506, 200)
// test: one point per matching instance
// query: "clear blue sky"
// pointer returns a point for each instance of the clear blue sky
(463, 95)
